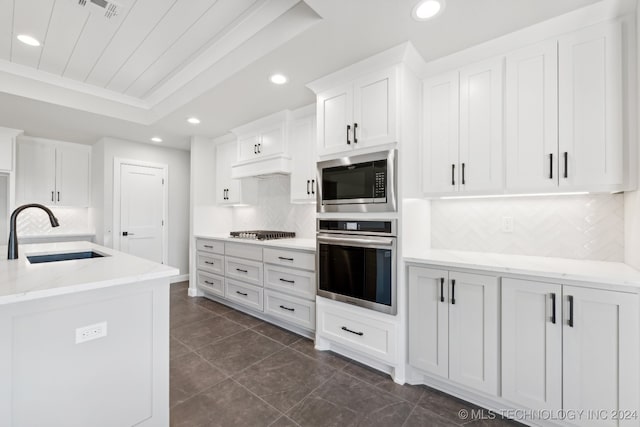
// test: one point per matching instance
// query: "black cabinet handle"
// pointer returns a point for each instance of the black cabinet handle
(566, 164)
(453, 291)
(348, 129)
(287, 308)
(241, 270)
(209, 262)
(255, 148)
(355, 128)
(570, 311)
(242, 293)
(344, 328)
(259, 147)
(58, 196)
(453, 174)
(287, 281)
(553, 308)
(463, 183)
(285, 258)
(208, 282)
(52, 197)
(550, 165)
(308, 182)
(313, 186)
(442, 289)
(208, 246)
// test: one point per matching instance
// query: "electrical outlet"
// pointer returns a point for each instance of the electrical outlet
(507, 224)
(91, 332)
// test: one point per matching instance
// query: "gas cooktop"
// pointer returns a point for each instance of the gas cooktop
(263, 234)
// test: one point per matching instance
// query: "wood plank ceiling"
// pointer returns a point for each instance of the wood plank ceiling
(132, 53)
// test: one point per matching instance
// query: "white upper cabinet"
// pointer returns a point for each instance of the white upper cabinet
(590, 109)
(8, 148)
(53, 173)
(440, 137)
(268, 141)
(302, 147)
(531, 118)
(231, 191)
(462, 130)
(360, 114)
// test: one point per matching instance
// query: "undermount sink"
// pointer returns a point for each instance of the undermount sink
(37, 259)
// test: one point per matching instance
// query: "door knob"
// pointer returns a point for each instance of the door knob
(126, 233)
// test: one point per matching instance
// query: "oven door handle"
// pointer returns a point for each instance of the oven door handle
(375, 241)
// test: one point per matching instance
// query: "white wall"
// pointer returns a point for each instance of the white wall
(178, 161)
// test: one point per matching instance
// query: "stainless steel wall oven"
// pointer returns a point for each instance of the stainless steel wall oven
(357, 262)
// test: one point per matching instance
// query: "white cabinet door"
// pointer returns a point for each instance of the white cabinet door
(225, 157)
(72, 175)
(428, 320)
(532, 344)
(303, 159)
(473, 331)
(590, 108)
(481, 127)
(36, 172)
(248, 147)
(6, 152)
(374, 109)
(531, 116)
(440, 134)
(600, 353)
(272, 140)
(335, 119)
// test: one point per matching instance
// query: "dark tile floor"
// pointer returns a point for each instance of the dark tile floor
(231, 369)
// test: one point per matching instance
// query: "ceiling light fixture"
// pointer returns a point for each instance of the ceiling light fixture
(278, 79)
(156, 139)
(31, 41)
(194, 120)
(427, 9)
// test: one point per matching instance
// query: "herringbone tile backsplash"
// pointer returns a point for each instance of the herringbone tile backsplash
(35, 222)
(275, 212)
(581, 227)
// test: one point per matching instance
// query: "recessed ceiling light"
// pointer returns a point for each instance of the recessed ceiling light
(31, 41)
(156, 139)
(278, 79)
(193, 120)
(427, 9)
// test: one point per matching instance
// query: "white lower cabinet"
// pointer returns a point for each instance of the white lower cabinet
(453, 326)
(572, 348)
(282, 288)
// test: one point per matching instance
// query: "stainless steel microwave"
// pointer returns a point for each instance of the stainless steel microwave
(362, 183)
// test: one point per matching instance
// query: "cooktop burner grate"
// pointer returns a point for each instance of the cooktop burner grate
(263, 234)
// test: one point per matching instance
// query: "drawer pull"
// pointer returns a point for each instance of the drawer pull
(208, 246)
(241, 270)
(208, 282)
(344, 328)
(242, 293)
(553, 308)
(287, 308)
(285, 258)
(209, 262)
(287, 281)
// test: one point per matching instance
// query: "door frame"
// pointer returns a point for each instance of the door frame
(117, 165)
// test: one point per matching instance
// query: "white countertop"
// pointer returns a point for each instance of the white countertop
(295, 243)
(23, 281)
(600, 272)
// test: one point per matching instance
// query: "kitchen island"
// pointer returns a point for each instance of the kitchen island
(85, 341)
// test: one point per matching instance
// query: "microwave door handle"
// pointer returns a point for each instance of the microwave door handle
(356, 241)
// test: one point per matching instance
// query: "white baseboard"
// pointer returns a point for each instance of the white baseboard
(180, 278)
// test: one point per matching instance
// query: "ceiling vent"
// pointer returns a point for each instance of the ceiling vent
(108, 9)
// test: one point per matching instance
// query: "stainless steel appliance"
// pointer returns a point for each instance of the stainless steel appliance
(357, 262)
(363, 183)
(263, 234)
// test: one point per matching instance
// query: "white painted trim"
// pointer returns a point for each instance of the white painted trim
(117, 164)
(180, 278)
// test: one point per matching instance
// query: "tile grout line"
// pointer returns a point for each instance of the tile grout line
(335, 372)
(260, 398)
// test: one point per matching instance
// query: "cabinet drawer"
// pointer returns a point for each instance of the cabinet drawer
(243, 250)
(245, 270)
(242, 293)
(358, 331)
(210, 262)
(211, 283)
(294, 282)
(303, 260)
(214, 246)
(292, 309)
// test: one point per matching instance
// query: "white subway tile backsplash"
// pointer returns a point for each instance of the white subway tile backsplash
(275, 212)
(581, 227)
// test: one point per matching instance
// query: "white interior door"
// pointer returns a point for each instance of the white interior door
(142, 211)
